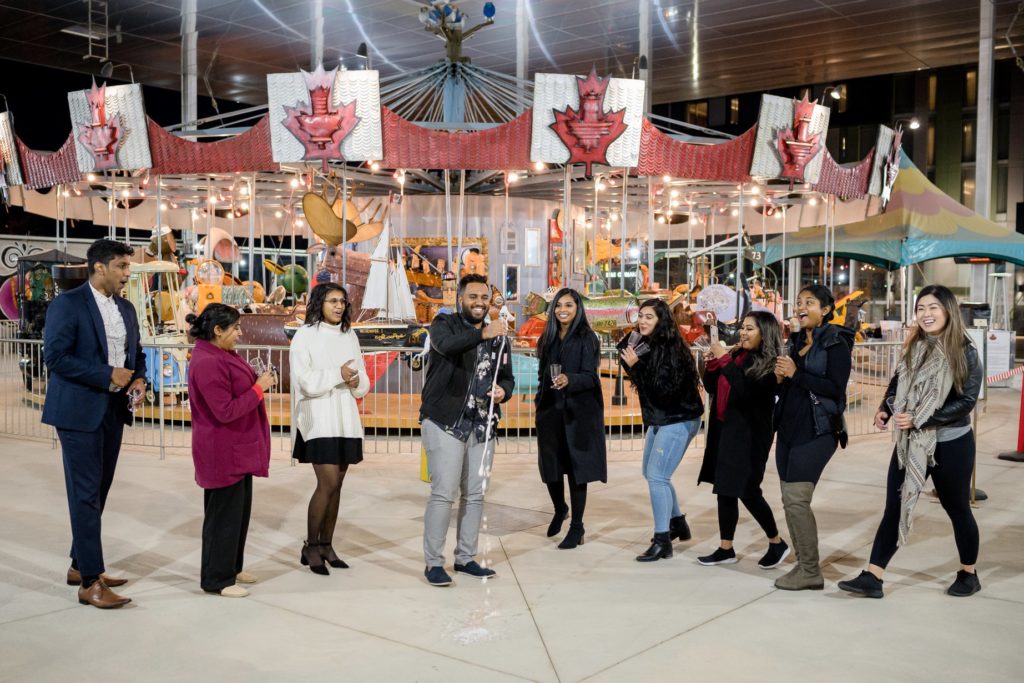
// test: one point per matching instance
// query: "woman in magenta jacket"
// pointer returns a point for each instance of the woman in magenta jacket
(230, 443)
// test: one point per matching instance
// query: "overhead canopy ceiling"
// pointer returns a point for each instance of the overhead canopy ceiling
(701, 48)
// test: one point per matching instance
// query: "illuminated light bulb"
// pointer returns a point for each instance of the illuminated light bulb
(601, 187)
(78, 193)
(539, 166)
(298, 222)
(66, 193)
(753, 202)
(813, 201)
(91, 177)
(401, 179)
(124, 192)
(212, 200)
(278, 214)
(513, 177)
(674, 193)
(294, 182)
(807, 186)
(661, 219)
(755, 190)
(163, 206)
(666, 178)
(244, 191)
(735, 212)
(142, 193)
(374, 166)
(245, 206)
(674, 203)
(778, 215)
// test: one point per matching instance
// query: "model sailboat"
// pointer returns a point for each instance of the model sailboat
(388, 300)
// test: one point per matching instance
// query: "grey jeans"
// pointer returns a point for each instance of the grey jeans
(453, 465)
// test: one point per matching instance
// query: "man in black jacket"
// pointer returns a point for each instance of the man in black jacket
(469, 372)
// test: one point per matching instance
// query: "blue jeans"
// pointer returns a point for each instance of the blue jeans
(663, 451)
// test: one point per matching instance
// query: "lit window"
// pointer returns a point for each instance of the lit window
(841, 105)
(933, 85)
(971, 89)
(968, 147)
(931, 144)
(967, 188)
(697, 113)
(734, 111)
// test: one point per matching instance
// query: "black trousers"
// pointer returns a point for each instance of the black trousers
(89, 462)
(225, 526)
(729, 515)
(954, 463)
(805, 461)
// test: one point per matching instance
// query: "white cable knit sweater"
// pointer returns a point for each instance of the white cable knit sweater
(323, 405)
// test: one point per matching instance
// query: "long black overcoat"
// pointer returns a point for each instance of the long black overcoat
(577, 411)
(737, 447)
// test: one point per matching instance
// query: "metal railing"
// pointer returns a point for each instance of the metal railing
(390, 412)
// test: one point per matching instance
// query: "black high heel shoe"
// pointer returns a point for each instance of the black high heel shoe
(331, 557)
(310, 557)
(556, 522)
(573, 538)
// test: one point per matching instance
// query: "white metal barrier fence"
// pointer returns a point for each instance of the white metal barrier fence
(390, 412)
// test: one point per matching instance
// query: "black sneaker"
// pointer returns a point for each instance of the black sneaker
(720, 556)
(965, 584)
(437, 576)
(867, 584)
(473, 569)
(776, 555)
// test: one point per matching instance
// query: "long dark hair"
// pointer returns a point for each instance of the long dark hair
(580, 324)
(214, 315)
(953, 337)
(762, 359)
(670, 365)
(315, 305)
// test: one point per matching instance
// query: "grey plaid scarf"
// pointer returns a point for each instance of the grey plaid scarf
(922, 388)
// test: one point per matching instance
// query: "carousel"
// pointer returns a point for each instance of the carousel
(396, 187)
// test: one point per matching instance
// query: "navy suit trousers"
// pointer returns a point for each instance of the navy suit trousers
(89, 462)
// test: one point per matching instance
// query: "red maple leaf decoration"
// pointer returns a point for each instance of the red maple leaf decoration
(796, 145)
(589, 131)
(321, 128)
(102, 135)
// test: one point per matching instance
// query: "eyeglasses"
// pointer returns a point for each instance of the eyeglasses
(335, 302)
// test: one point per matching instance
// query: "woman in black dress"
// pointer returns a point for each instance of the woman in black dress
(741, 390)
(570, 412)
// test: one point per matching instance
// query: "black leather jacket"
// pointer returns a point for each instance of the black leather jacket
(662, 405)
(956, 410)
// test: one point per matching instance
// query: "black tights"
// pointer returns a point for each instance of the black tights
(729, 515)
(954, 463)
(577, 497)
(323, 506)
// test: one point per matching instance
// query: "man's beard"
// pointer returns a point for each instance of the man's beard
(468, 314)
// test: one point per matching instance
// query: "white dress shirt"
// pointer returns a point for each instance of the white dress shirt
(114, 328)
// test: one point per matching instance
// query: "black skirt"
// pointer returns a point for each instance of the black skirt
(330, 450)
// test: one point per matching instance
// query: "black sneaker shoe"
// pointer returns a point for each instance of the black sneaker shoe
(720, 556)
(776, 555)
(473, 569)
(437, 576)
(965, 584)
(867, 584)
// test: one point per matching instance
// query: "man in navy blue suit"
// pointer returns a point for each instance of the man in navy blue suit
(96, 367)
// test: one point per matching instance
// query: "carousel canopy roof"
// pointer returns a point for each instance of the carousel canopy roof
(921, 223)
(719, 48)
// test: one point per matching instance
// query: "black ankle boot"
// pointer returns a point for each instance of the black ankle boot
(661, 548)
(311, 557)
(678, 528)
(573, 538)
(555, 527)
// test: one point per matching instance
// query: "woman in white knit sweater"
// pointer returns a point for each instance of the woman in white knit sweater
(328, 376)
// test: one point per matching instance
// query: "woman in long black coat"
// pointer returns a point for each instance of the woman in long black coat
(570, 412)
(741, 387)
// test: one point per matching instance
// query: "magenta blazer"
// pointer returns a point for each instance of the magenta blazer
(230, 430)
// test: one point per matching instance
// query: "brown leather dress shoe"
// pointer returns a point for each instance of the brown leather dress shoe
(75, 579)
(99, 595)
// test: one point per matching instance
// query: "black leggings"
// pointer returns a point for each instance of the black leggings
(954, 462)
(729, 515)
(577, 492)
(805, 461)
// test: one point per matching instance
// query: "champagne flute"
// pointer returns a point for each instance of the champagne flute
(554, 370)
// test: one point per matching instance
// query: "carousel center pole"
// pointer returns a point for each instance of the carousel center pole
(622, 232)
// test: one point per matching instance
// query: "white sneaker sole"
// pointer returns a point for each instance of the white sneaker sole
(731, 560)
(785, 554)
